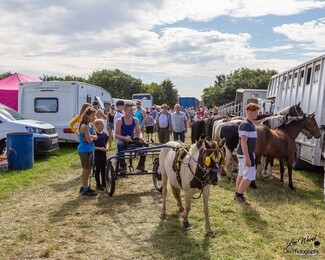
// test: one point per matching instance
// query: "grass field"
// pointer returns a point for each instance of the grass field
(43, 216)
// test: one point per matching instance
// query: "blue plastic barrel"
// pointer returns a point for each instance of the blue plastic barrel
(20, 151)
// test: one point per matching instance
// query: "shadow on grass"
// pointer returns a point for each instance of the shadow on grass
(172, 241)
(271, 193)
(69, 208)
(61, 187)
(113, 205)
(254, 221)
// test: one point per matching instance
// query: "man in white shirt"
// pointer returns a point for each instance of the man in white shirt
(164, 125)
(179, 124)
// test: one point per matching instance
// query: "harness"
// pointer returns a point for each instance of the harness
(182, 151)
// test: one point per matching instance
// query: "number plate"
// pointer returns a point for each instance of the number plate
(55, 140)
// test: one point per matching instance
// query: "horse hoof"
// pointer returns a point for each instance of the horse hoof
(292, 188)
(163, 216)
(186, 224)
(181, 210)
(211, 234)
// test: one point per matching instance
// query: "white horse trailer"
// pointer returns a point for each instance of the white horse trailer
(306, 84)
(58, 102)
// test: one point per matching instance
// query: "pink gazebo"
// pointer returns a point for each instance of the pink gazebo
(9, 88)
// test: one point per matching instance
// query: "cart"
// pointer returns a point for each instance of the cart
(113, 169)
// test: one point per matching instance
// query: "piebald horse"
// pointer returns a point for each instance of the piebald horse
(198, 169)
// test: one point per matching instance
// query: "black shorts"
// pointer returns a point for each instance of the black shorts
(149, 129)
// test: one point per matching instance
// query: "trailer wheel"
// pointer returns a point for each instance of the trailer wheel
(156, 176)
(110, 177)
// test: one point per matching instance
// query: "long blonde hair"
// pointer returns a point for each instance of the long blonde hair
(86, 113)
(83, 108)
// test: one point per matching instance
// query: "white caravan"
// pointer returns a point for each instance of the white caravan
(306, 84)
(57, 102)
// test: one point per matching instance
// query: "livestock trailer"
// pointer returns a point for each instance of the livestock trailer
(304, 83)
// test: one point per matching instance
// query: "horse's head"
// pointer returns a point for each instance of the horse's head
(295, 110)
(212, 156)
(311, 128)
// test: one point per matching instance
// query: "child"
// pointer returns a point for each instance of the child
(150, 122)
(86, 148)
(100, 153)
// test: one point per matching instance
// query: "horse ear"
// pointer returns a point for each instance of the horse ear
(312, 114)
(298, 105)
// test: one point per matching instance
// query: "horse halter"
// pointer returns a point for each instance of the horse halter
(208, 160)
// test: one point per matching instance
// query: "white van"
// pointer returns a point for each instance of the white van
(45, 137)
(58, 102)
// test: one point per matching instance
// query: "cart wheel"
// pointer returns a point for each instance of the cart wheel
(110, 179)
(156, 176)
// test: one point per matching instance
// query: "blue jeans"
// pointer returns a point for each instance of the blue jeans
(179, 136)
(122, 145)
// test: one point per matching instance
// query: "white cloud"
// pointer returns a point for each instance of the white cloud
(77, 37)
(312, 32)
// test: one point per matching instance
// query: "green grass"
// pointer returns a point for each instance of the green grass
(43, 216)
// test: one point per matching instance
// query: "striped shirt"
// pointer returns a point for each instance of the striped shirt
(247, 128)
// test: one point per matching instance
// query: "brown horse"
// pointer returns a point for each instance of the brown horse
(280, 143)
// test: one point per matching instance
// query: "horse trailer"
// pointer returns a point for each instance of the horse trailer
(57, 102)
(243, 97)
(306, 84)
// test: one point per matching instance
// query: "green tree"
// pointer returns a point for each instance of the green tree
(118, 83)
(5, 75)
(65, 78)
(170, 93)
(225, 86)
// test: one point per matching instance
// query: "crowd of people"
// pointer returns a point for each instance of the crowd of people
(128, 124)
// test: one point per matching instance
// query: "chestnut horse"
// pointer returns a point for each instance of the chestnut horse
(198, 169)
(280, 143)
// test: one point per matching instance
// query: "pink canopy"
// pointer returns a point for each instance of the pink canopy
(9, 88)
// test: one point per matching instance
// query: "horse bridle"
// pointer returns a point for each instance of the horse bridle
(205, 170)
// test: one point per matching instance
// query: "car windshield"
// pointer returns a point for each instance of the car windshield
(10, 114)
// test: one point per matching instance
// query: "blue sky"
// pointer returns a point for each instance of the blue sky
(186, 41)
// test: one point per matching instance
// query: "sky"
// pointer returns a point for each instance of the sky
(186, 41)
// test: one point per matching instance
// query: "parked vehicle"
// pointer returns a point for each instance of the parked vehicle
(145, 98)
(44, 134)
(58, 102)
(245, 96)
(186, 102)
(304, 83)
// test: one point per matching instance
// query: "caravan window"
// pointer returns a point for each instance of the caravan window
(100, 102)
(46, 105)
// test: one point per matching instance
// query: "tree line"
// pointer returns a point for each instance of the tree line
(122, 85)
